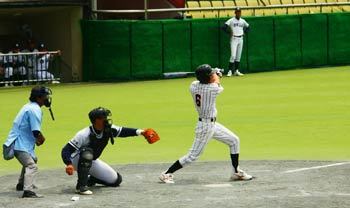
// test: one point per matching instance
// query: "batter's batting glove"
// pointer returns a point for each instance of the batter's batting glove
(150, 135)
(70, 169)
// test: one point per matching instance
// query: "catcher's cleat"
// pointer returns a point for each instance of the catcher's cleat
(229, 73)
(83, 190)
(238, 73)
(241, 176)
(86, 192)
(166, 178)
(31, 194)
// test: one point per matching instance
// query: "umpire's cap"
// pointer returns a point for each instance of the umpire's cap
(39, 91)
(203, 73)
(99, 112)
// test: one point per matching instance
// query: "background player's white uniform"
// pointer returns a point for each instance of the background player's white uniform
(237, 27)
(204, 97)
(43, 67)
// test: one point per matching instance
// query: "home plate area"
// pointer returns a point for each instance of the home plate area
(201, 184)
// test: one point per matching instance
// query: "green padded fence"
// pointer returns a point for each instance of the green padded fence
(287, 42)
(177, 46)
(205, 42)
(339, 38)
(145, 49)
(261, 44)
(314, 40)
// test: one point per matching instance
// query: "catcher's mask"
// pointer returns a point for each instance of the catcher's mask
(101, 113)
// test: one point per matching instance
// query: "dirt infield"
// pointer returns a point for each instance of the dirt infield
(203, 184)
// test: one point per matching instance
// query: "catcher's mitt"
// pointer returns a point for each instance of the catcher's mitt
(150, 135)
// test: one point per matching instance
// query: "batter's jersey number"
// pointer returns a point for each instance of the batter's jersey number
(198, 100)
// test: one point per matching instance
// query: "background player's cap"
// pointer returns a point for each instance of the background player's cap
(237, 9)
(41, 46)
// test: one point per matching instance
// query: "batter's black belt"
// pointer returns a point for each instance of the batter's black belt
(238, 36)
(207, 119)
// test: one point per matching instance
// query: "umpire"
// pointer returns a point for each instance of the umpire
(25, 133)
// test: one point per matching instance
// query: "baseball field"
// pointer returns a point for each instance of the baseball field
(280, 116)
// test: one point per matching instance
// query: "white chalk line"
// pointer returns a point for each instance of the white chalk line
(316, 167)
(219, 185)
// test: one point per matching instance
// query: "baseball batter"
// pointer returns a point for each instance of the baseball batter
(236, 27)
(204, 93)
(81, 153)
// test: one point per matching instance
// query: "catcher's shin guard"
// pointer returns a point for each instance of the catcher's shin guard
(84, 165)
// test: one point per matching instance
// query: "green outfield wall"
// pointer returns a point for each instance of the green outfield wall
(123, 50)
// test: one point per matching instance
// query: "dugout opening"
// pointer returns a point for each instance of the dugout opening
(58, 27)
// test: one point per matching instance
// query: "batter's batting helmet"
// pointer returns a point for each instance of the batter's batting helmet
(99, 112)
(203, 73)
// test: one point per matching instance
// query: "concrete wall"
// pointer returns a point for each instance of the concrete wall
(135, 4)
(60, 30)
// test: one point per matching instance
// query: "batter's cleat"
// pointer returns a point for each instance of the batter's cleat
(166, 178)
(229, 73)
(238, 73)
(241, 176)
(19, 187)
(31, 194)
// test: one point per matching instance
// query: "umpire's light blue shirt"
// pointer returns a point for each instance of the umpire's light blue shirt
(27, 120)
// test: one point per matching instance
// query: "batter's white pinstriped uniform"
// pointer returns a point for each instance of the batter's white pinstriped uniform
(204, 97)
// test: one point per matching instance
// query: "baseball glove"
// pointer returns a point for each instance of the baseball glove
(40, 140)
(150, 135)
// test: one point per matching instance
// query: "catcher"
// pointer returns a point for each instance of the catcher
(82, 152)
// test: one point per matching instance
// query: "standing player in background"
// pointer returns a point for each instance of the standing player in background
(81, 153)
(31, 59)
(18, 64)
(42, 68)
(236, 27)
(24, 135)
(204, 93)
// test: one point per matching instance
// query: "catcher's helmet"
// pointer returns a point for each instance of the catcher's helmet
(203, 73)
(99, 112)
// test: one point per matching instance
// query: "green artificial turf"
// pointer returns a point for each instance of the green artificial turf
(297, 115)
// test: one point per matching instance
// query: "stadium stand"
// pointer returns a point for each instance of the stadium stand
(262, 11)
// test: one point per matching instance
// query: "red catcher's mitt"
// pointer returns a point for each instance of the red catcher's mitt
(151, 135)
